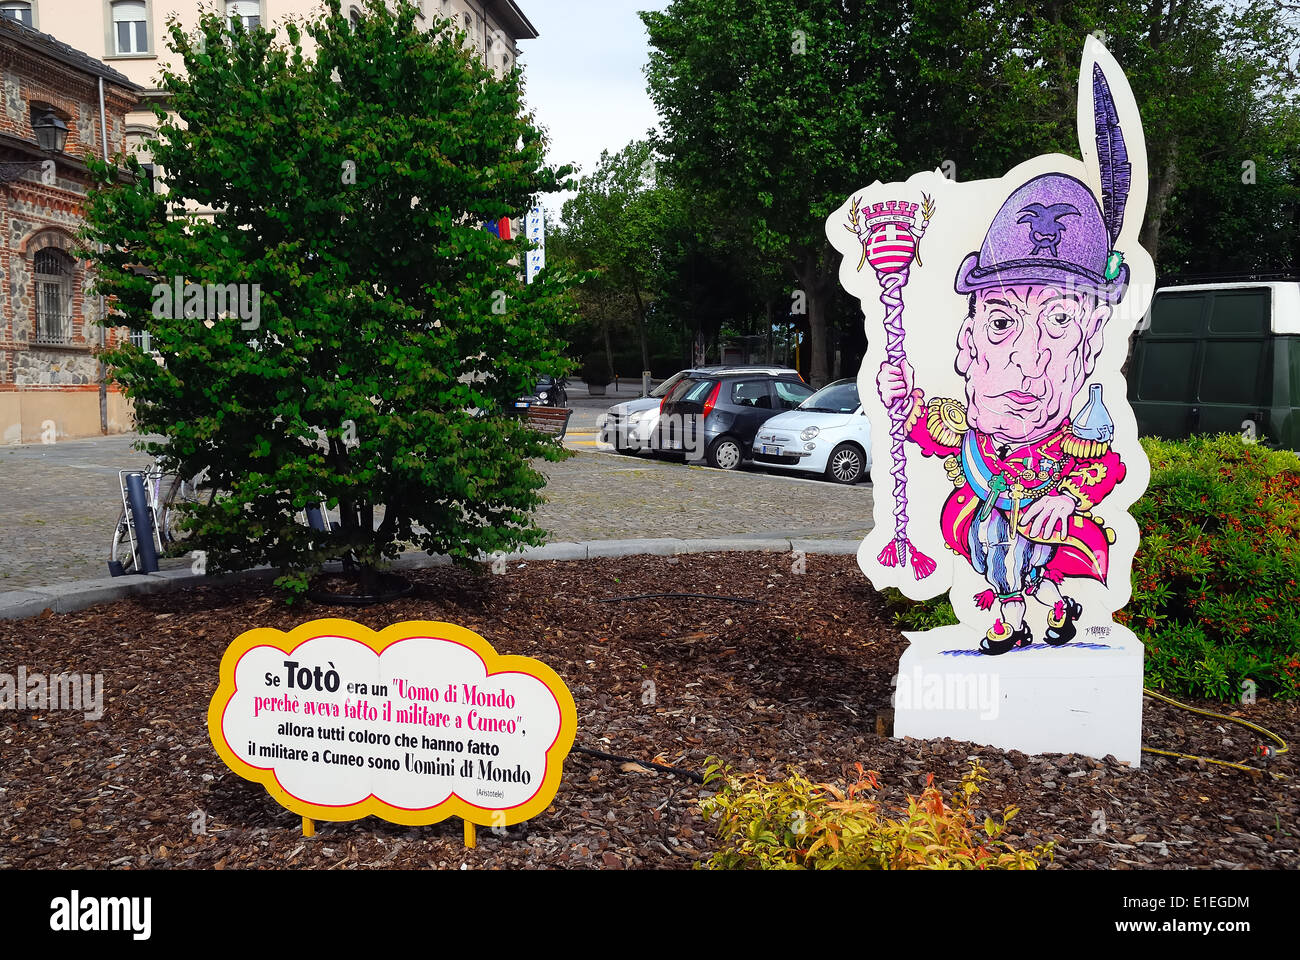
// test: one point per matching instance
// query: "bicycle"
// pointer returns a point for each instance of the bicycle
(164, 515)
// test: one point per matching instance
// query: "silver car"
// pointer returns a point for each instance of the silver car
(630, 425)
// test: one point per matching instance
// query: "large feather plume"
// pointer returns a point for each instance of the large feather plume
(1112, 155)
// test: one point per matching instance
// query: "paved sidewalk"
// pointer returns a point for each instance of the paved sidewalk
(59, 504)
(597, 496)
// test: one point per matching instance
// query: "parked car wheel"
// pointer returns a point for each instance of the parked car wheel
(845, 464)
(725, 453)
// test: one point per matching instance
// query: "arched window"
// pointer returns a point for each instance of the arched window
(20, 10)
(53, 270)
(130, 26)
(247, 12)
(355, 16)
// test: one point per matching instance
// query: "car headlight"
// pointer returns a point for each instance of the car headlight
(542, 395)
(809, 434)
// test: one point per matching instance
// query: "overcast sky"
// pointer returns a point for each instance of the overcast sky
(585, 78)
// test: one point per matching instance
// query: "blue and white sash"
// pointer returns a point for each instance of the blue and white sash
(978, 472)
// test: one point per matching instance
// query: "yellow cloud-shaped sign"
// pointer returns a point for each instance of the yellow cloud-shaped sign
(414, 723)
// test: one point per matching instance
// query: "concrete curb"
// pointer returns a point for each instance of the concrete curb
(80, 594)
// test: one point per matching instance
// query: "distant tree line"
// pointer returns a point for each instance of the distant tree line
(775, 110)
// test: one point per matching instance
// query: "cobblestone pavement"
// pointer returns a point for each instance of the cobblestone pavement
(59, 503)
(600, 496)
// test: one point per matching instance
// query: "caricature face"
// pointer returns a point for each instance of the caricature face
(1025, 353)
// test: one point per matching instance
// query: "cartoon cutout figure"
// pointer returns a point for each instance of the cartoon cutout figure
(1025, 474)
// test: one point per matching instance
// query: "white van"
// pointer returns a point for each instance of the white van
(1220, 358)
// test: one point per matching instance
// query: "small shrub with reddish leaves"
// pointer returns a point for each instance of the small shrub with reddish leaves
(795, 824)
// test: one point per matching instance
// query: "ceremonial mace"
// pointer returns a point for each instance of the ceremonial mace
(890, 242)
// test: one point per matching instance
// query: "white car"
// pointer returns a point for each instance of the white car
(829, 434)
(630, 425)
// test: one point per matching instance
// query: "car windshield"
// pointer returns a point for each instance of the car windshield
(663, 388)
(698, 390)
(838, 397)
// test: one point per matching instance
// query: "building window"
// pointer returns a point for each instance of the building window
(53, 269)
(19, 10)
(142, 340)
(247, 12)
(130, 26)
(355, 16)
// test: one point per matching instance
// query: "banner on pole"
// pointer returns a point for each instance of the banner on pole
(536, 233)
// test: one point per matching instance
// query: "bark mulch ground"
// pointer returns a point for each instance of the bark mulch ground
(794, 682)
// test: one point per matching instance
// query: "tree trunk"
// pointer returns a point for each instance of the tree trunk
(814, 286)
(771, 355)
(1162, 188)
(609, 350)
(347, 507)
(640, 325)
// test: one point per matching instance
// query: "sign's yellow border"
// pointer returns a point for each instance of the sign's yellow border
(372, 806)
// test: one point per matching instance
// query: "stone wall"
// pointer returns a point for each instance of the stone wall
(48, 368)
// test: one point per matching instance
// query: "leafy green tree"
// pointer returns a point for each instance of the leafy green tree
(775, 110)
(626, 223)
(346, 192)
(604, 307)
(1217, 87)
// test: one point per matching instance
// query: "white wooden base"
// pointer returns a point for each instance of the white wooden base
(1084, 697)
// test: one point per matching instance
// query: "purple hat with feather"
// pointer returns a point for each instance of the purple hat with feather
(1052, 230)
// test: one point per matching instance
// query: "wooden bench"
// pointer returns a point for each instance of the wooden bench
(553, 421)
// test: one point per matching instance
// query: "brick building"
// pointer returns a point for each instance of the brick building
(51, 383)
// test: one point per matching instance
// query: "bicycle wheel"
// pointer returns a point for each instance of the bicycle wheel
(180, 494)
(120, 551)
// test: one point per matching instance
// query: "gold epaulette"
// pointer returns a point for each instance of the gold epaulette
(913, 415)
(1082, 449)
(947, 422)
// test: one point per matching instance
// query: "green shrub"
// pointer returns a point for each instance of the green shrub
(797, 824)
(1215, 596)
(391, 333)
(911, 615)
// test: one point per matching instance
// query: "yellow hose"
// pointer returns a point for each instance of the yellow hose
(1268, 734)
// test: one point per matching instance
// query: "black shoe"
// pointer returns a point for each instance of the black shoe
(1061, 629)
(994, 644)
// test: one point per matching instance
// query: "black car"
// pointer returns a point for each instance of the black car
(715, 417)
(549, 392)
